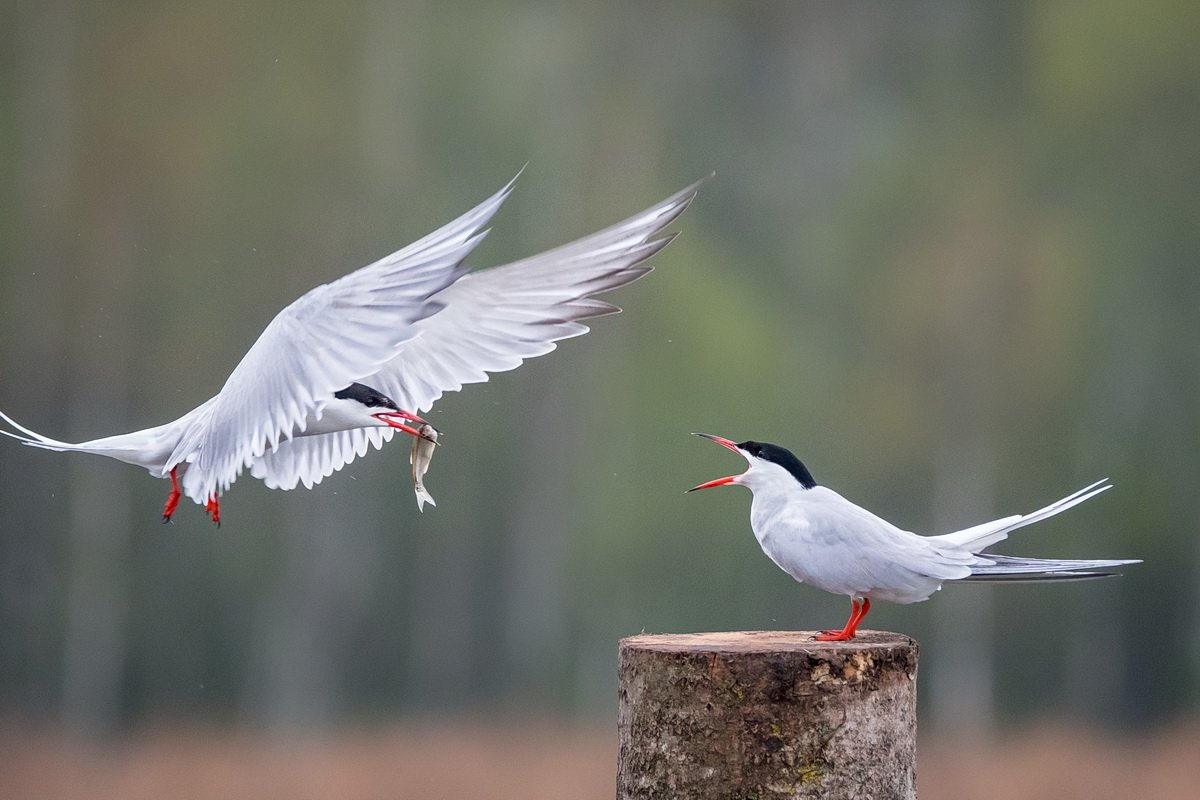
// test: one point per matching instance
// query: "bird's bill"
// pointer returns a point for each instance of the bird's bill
(720, 440)
(392, 419)
(719, 481)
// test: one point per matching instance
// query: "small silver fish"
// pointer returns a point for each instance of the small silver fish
(420, 456)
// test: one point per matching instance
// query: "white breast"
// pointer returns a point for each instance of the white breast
(820, 538)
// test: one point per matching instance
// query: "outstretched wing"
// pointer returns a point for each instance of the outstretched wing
(493, 320)
(312, 459)
(496, 318)
(334, 335)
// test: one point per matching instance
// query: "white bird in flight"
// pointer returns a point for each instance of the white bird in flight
(347, 365)
(819, 537)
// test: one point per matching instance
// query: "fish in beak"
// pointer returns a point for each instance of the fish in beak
(393, 419)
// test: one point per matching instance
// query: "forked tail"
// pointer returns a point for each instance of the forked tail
(423, 497)
(144, 448)
(979, 537)
(35, 439)
(1015, 569)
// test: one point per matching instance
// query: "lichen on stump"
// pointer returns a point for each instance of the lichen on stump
(767, 714)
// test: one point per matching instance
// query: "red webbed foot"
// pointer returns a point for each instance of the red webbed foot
(857, 612)
(172, 498)
(213, 507)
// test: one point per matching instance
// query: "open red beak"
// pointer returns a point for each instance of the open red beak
(393, 418)
(719, 481)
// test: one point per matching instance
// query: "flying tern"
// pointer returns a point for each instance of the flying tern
(353, 361)
(819, 537)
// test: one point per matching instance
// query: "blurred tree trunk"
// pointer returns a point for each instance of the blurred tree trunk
(306, 627)
(441, 605)
(973, 261)
(100, 525)
(390, 125)
(1193, 612)
(535, 620)
(961, 684)
(34, 305)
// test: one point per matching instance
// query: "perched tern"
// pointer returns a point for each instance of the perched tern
(817, 536)
(351, 362)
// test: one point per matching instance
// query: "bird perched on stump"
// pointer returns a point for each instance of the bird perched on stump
(819, 537)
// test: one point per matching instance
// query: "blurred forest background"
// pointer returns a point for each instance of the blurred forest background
(950, 257)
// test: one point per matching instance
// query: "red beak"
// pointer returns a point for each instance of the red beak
(714, 482)
(719, 481)
(393, 418)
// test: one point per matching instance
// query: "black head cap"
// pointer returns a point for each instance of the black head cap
(783, 457)
(367, 396)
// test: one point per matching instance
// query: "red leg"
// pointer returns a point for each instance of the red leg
(862, 614)
(213, 507)
(172, 498)
(853, 613)
(857, 613)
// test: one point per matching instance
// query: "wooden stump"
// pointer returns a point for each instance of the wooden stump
(767, 714)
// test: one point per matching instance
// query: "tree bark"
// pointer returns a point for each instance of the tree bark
(766, 714)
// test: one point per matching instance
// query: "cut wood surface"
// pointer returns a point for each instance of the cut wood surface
(766, 714)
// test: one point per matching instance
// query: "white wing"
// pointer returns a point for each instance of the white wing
(496, 318)
(849, 550)
(311, 459)
(334, 335)
(493, 320)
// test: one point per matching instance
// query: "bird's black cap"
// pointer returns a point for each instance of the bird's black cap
(364, 394)
(781, 456)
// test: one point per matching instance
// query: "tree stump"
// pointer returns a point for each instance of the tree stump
(767, 714)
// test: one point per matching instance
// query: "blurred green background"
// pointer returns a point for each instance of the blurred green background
(949, 257)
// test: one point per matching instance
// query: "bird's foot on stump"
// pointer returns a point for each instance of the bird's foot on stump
(858, 610)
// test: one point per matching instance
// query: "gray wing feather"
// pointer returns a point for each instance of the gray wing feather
(495, 319)
(1014, 568)
(309, 460)
(489, 321)
(334, 335)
